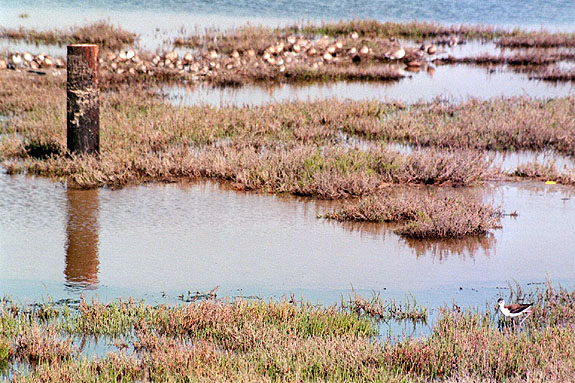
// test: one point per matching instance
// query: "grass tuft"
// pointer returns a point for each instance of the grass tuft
(385, 310)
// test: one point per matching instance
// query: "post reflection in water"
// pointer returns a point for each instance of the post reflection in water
(82, 239)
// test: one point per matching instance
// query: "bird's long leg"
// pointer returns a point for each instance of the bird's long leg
(526, 316)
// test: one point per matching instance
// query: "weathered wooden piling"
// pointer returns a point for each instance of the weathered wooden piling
(83, 105)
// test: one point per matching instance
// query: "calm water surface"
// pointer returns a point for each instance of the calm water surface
(533, 13)
(146, 240)
(451, 82)
(506, 161)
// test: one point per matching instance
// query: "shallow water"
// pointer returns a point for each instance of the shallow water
(510, 161)
(87, 346)
(7, 46)
(452, 82)
(507, 161)
(147, 240)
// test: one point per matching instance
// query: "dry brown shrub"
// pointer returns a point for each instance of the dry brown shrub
(497, 124)
(424, 216)
(101, 32)
(437, 167)
(329, 149)
(453, 218)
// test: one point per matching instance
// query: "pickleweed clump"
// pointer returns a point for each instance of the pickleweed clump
(424, 215)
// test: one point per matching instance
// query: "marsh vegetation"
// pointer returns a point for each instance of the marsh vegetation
(424, 216)
(326, 149)
(101, 32)
(219, 340)
(334, 149)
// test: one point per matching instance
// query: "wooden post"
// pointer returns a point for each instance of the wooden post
(83, 121)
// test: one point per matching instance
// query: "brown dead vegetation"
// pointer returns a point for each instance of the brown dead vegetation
(297, 147)
(102, 33)
(546, 171)
(424, 215)
(539, 39)
(287, 341)
(553, 74)
(497, 124)
(518, 59)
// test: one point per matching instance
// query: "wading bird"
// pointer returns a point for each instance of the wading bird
(515, 310)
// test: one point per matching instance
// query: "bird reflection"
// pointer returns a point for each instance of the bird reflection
(82, 239)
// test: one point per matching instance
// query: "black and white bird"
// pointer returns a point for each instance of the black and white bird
(515, 310)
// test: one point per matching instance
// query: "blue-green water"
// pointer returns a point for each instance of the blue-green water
(531, 13)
